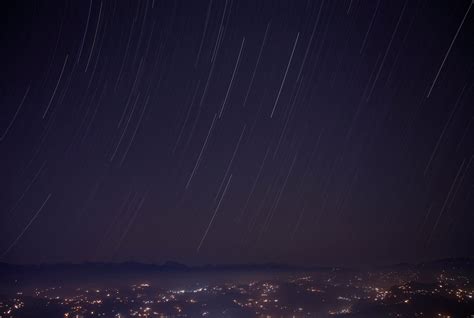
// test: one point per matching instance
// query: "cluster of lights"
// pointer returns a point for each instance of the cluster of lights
(259, 297)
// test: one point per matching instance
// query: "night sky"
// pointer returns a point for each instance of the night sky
(301, 132)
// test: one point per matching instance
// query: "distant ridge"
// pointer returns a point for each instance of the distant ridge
(444, 263)
(165, 267)
(171, 266)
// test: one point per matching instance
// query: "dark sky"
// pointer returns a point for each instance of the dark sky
(304, 132)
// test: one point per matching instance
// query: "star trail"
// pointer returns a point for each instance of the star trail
(216, 132)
